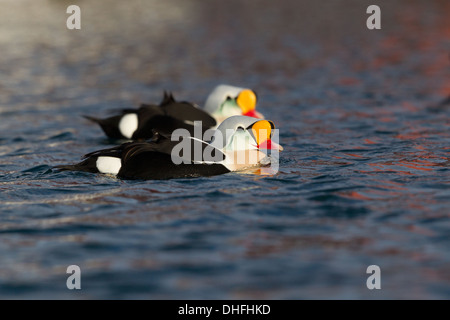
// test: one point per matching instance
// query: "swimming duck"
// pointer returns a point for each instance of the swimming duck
(223, 102)
(167, 116)
(226, 101)
(237, 144)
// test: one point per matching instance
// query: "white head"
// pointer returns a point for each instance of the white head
(226, 101)
(243, 139)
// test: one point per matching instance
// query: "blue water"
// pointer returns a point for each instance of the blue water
(364, 178)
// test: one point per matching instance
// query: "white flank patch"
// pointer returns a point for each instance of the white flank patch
(110, 165)
(128, 125)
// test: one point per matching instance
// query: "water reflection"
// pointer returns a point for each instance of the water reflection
(363, 178)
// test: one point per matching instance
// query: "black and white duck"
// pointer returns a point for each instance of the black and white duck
(239, 143)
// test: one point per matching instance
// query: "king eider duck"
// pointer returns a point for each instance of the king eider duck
(140, 123)
(237, 144)
(226, 101)
(223, 102)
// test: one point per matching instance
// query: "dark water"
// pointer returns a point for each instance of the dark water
(364, 178)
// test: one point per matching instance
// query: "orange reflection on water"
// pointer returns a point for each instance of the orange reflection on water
(418, 162)
(368, 141)
(388, 184)
(261, 244)
(261, 171)
(354, 155)
(353, 195)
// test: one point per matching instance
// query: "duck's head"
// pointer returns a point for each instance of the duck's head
(226, 101)
(245, 133)
(245, 141)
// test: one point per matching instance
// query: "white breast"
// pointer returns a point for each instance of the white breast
(128, 125)
(244, 159)
(110, 165)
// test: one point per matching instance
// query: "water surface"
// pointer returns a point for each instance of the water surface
(364, 178)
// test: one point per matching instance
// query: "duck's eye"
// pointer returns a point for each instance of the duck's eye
(228, 98)
(240, 128)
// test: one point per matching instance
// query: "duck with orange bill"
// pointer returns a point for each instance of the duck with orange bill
(223, 102)
(239, 143)
(226, 101)
(135, 124)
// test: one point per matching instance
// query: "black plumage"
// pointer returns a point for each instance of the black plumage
(154, 160)
(166, 117)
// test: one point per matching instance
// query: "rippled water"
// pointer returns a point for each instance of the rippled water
(364, 178)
